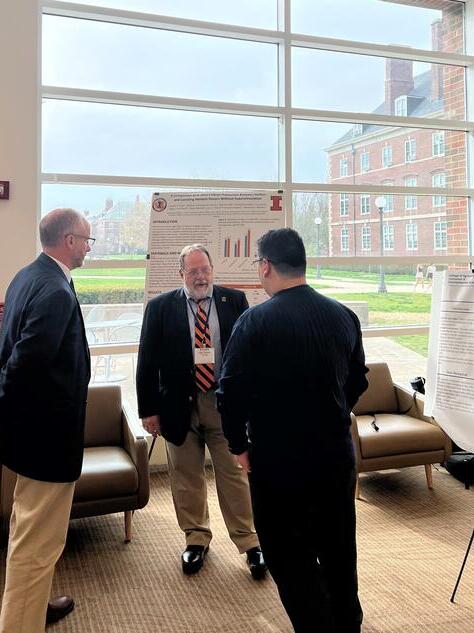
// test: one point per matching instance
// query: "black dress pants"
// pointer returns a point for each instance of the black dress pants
(306, 528)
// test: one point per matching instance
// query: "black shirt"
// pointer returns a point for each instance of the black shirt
(292, 371)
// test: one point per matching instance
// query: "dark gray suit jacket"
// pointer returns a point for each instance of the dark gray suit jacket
(165, 369)
(44, 374)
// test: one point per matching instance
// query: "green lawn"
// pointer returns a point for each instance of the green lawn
(417, 343)
(372, 277)
(389, 301)
(109, 272)
(392, 308)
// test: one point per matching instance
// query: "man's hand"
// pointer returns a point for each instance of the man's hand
(243, 461)
(152, 425)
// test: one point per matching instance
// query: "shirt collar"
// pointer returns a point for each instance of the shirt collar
(63, 267)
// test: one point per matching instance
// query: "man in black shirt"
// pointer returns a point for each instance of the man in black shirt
(292, 370)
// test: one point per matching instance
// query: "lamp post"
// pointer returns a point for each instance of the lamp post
(381, 203)
(317, 222)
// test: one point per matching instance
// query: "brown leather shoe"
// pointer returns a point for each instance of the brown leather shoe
(58, 608)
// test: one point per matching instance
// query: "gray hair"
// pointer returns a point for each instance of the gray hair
(190, 248)
(58, 223)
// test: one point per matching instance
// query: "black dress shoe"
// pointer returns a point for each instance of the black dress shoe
(58, 608)
(257, 565)
(193, 558)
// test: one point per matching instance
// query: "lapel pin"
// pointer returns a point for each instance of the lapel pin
(223, 299)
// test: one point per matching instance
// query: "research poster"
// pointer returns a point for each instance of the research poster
(450, 375)
(227, 223)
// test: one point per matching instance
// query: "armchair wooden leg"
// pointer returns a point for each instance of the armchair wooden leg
(357, 488)
(128, 525)
(429, 476)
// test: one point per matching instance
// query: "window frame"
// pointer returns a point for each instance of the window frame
(366, 238)
(438, 144)
(411, 236)
(440, 229)
(344, 239)
(410, 150)
(364, 204)
(285, 40)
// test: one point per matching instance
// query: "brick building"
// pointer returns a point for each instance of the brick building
(400, 156)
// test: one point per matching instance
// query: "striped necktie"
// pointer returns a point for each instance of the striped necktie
(204, 374)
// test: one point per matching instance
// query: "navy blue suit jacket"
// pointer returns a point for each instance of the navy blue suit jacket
(165, 369)
(44, 374)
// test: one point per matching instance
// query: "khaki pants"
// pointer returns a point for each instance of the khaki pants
(188, 481)
(38, 529)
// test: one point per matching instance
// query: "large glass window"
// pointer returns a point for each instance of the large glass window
(130, 59)
(327, 152)
(361, 83)
(97, 138)
(261, 14)
(199, 106)
(415, 24)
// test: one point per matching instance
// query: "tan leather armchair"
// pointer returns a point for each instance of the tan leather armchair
(405, 436)
(115, 472)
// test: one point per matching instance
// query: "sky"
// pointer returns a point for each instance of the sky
(132, 141)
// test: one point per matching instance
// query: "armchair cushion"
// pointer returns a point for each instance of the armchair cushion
(380, 395)
(103, 416)
(397, 435)
(107, 472)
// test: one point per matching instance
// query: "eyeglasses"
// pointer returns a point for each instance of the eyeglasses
(195, 272)
(90, 240)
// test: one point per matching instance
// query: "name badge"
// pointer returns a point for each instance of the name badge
(204, 356)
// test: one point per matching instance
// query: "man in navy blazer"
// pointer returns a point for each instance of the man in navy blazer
(184, 334)
(44, 374)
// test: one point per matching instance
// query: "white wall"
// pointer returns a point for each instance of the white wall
(19, 135)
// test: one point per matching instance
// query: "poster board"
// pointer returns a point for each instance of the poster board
(227, 223)
(450, 375)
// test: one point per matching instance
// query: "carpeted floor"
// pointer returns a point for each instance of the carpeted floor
(411, 545)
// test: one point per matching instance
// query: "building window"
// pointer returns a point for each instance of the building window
(364, 203)
(387, 156)
(366, 238)
(343, 167)
(388, 196)
(344, 239)
(401, 106)
(388, 237)
(364, 161)
(412, 236)
(410, 150)
(358, 129)
(439, 180)
(438, 143)
(344, 204)
(440, 235)
(410, 201)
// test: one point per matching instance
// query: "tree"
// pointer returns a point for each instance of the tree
(307, 207)
(134, 229)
